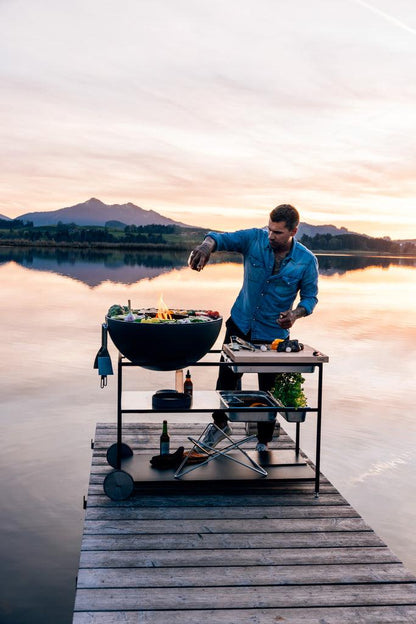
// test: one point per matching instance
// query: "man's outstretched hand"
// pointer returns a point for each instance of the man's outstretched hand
(199, 256)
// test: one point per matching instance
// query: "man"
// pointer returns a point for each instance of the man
(276, 269)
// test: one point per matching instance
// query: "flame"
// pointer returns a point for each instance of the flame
(163, 311)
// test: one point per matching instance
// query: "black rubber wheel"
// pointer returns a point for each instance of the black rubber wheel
(112, 453)
(118, 485)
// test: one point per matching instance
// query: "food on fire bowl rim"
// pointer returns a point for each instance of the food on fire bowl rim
(163, 343)
(152, 315)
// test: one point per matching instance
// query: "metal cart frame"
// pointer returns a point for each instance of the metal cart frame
(119, 484)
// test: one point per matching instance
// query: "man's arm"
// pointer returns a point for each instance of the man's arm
(200, 255)
(308, 292)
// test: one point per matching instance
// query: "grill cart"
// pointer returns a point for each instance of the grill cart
(134, 471)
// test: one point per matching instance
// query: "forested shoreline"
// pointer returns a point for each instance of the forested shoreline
(157, 237)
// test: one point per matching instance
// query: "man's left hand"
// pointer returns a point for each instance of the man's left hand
(287, 319)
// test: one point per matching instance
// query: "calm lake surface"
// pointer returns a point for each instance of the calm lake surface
(51, 310)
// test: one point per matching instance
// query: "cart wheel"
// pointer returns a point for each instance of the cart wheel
(118, 485)
(112, 453)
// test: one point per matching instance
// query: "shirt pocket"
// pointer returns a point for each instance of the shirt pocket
(288, 282)
(285, 288)
(255, 269)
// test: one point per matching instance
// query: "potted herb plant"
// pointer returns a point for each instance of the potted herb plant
(288, 391)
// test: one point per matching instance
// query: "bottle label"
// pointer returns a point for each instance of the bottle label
(164, 448)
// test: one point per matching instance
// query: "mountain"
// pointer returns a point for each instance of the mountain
(312, 230)
(5, 218)
(95, 212)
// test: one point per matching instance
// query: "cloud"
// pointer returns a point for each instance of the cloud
(207, 106)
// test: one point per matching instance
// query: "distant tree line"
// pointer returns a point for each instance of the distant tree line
(67, 233)
(72, 233)
(147, 233)
(14, 224)
(355, 242)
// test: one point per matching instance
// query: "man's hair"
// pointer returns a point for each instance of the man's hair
(286, 213)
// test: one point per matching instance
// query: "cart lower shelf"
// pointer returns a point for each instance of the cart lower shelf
(137, 473)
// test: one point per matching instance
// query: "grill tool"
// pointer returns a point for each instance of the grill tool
(243, 343)
(102, 360)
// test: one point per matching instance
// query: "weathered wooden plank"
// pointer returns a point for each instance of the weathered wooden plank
(98, 473)
(140, 436)
(229, 540)
(144, 429)
(180, 438)
(150, 598)
(154, 428)
(182, 513)
(129, 427)
(139, 432)
(151, 447)
(168, 500)
(244, 576)
(235, 557)
(311, 615)
(228, 525)
(272, 488)
(142, 432)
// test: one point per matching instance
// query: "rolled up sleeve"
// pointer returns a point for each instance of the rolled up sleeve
(232, 241)
(309, 287)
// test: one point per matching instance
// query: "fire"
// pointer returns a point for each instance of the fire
(163, 311)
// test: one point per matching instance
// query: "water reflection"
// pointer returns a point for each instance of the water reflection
(337, 265)
(52, 306)
(93, 266)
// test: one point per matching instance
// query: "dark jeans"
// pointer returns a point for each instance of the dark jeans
(228, 380)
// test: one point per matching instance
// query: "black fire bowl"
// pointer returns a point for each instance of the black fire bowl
(163, 346)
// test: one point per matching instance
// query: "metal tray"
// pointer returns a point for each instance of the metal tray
(294, 417)
(245, 399)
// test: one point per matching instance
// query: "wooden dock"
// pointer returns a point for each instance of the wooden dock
(265, 555)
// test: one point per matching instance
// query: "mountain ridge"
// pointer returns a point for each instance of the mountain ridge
(94, 212)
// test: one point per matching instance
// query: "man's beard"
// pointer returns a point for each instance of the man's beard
(277, 246)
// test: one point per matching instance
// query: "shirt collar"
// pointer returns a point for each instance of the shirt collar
(290, 255)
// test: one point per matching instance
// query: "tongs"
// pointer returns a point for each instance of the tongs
(243, 343)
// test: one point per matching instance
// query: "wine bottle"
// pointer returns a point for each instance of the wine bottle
(164, 439)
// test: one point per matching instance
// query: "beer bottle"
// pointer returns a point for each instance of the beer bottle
(164, 439)
(188, 385)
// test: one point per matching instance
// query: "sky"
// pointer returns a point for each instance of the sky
(212, 112)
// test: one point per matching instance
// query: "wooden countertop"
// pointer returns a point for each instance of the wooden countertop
(244, 356)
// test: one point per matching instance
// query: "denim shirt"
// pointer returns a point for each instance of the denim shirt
(263, 295)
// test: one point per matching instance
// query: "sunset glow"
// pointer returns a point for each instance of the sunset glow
(212, 112)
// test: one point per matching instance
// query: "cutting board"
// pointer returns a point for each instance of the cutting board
(244, 356)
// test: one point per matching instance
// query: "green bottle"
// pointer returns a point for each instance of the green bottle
(164, 439)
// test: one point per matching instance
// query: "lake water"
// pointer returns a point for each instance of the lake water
(51, 310)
